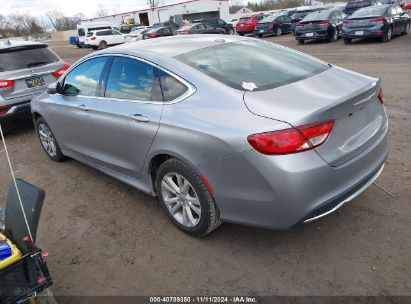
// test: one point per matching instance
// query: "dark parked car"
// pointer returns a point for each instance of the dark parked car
(353, 5)
(217, 22)
(158, 32)
(174, 26)
(320, 25)
(300, 15)
(273, 24)
(199, 28)
(382, 21)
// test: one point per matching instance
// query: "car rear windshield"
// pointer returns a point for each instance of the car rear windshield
(269, 18)
(244, 19)
(267, 66)
(23, 57)
(319, 15)
(301, 14)
(371, 11)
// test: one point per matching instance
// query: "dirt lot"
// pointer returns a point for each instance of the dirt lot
(105, 238)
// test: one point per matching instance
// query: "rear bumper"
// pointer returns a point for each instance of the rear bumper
(354, 33)
(317, 35)
(19, 109)
(244, 30)
(263, 31)
(280, 192)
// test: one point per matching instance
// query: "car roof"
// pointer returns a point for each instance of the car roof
(16, 43)
(171, 46)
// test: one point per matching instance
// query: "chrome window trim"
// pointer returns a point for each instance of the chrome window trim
(191, 89)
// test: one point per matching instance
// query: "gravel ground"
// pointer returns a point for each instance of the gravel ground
(105, 238)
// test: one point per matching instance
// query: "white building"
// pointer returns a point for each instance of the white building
(189, 10)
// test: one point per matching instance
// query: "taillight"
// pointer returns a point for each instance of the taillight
(93, 38)
(299, 25)
(379, 19)
(4, 109)
(187, 32)
(347, 21)
(6, 84)
(291, 140)
(325, 22)
(58, 73)
(154, 35)
(381, 96)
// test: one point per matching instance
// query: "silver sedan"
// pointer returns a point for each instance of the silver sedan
(220, 129)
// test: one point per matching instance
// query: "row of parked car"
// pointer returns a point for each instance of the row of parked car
(378, 21)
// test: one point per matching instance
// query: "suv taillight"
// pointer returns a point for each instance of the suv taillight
(6, 84)
(93, 38)
(4, 109)
(292, 140)
(58, 73)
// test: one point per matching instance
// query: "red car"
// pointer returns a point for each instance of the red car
(407, 5)
(245, 25)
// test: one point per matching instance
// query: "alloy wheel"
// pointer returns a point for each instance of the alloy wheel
(181, 199)
(47, 140)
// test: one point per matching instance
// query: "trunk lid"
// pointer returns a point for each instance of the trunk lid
(356, 23)
(349, 98)
(312, 25)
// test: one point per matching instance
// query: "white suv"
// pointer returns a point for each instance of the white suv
(103, 38)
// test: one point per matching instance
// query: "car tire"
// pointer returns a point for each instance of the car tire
(300, 41)
(388, 35)
(231, 31)
(94, 47)
(334, 36)
(278, 31)
(48, 141)
(241, 34)
(260, 35)
(347, 40)
(102, 44)
(406, 29)
(80, 46)
(187, 187)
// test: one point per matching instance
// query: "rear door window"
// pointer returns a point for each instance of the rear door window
(131, 79)
(171, 87)
(84, 78)
(23, 57)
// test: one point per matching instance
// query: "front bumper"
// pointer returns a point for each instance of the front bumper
(280, 192)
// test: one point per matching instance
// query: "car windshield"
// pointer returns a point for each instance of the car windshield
(23, 57)
(153, 30)
(369, 12)
(186, 27)
(319, 15)
(266, 67)
(358, 3)
(301, 14)
(246, 19)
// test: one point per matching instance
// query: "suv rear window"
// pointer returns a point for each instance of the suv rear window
(23, 57)
(244, 19)
(266, 67)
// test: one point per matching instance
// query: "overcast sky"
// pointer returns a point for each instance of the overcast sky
(72, 7)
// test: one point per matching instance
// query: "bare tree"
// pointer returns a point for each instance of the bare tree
(101, 10)
(153, 3)
(61, 22)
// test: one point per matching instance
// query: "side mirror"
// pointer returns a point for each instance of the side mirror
(54, 88)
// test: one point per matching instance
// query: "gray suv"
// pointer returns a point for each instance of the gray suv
(26, 69)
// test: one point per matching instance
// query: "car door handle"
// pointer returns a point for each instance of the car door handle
(83, 108)
(139, 118)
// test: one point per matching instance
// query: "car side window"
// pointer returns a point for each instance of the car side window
(220, 22)
(116, 33)
(84, 78)
(171, 87)
(200, 27)
(130, 79)
(208, 26)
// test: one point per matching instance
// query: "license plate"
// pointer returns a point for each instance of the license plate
(309, 34)
(261, 31)
(35, 82)
(359, 33)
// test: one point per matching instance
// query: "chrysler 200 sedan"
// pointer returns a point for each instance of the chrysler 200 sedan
(220, 128)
